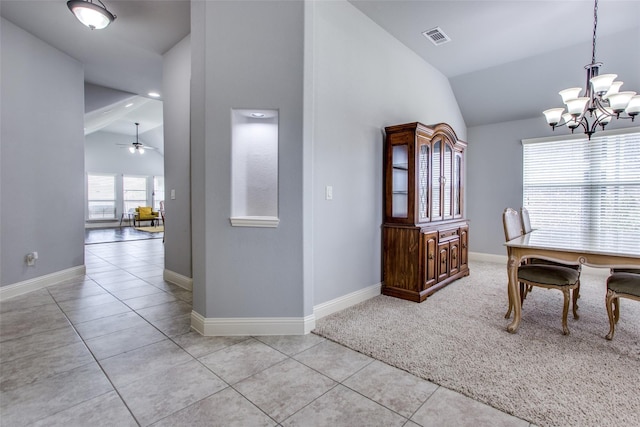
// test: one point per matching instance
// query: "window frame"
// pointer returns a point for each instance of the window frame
(581, 192)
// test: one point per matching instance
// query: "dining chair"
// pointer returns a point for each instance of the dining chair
(526, 220)
(526, 228)
(548, 276)
(621, 283)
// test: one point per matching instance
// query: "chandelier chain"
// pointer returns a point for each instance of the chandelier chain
(595, 25)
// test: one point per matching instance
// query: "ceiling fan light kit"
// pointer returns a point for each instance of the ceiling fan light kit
(602, 100)
(137, 146)
(93, 15)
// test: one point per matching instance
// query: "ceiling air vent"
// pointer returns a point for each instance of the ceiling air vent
(437, 36)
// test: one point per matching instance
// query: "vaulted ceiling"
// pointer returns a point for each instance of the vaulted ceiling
(506, 60)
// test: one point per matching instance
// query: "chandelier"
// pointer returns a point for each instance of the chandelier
(602, 100)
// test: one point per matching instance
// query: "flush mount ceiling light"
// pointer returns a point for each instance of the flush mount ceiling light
(91, 14)
(602, 100)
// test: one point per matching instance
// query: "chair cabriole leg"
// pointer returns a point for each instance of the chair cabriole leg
(576, 295)
(565, 312)
(611, 300)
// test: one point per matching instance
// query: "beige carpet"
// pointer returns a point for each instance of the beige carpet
(458, 339)
(156, 229)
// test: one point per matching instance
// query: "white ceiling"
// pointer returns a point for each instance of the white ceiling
(507, 59)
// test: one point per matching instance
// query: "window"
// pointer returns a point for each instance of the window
(587, 187)
(158, 192)
(134, 191)
(101, 196)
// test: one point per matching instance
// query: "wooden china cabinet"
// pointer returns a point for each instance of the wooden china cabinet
(425, 235)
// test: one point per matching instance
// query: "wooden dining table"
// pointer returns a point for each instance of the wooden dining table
(598, 250)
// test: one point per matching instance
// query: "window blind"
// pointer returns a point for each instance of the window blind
(101, 195)
(591, 187)
(134, 190)
(158, 191)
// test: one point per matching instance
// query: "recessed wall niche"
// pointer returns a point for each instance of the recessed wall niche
(254, 168)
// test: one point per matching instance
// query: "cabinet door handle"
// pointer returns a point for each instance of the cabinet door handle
(453, 255)
(431, 256)
(464, 245)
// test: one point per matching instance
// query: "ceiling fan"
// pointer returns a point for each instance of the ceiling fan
(137, 146)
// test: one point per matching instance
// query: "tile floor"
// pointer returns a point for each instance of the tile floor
(115, 349)
(117, 234)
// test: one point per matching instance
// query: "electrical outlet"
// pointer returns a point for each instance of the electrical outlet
(31, 258)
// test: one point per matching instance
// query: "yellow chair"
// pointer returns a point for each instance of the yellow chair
(145, 213)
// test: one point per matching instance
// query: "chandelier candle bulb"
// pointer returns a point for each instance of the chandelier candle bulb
(619, 101)
(633, 108)
(571, 93)
(615, 88)
(604, 117)
(602, 83)
(576, 106)
(570, 121)
(553, 115)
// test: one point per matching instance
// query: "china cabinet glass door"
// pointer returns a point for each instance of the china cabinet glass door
(400, 181)
(436, 175)
(457, 185)
(447, 181)
(423, 182)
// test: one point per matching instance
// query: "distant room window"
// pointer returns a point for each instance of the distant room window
(134, 192)
(101, 196)
(158, 192)
(584, 187)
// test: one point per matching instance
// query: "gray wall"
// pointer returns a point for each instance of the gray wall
(104, 155)
(357, 79)
(246, 55)
(361, 80)
(494, 176)
(176, 114)
(41, 158)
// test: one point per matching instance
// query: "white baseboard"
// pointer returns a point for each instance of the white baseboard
(253, 326)
(36, 283)
(346, 301)
(178, 279)
(256, 326)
